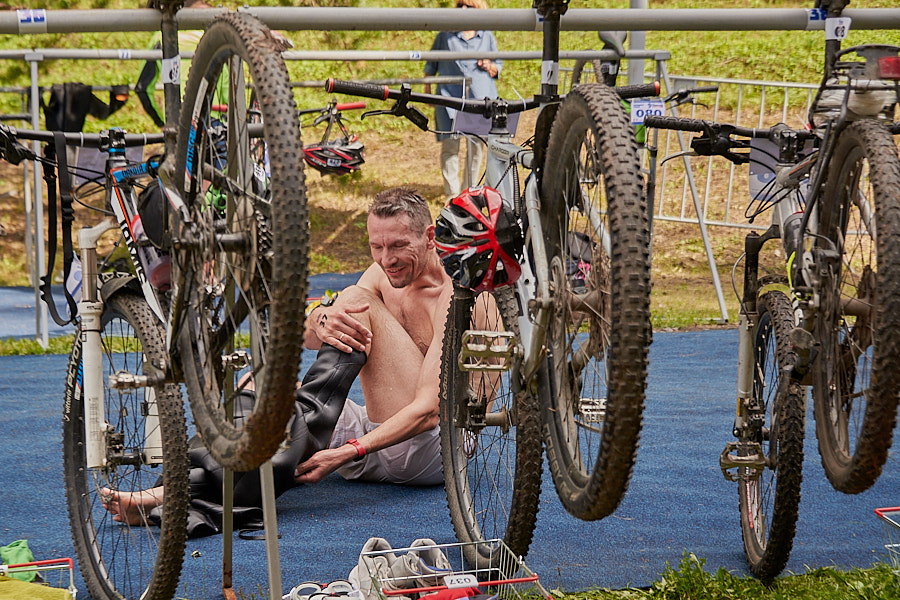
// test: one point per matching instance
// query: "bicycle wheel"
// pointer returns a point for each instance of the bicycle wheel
(242, 258)
(579, 75)
(118, 560)
(769, 499)
(490, 436)
(596, 223)
(855, 376)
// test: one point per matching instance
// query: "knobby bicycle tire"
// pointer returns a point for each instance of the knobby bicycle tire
(242, 263)
(578, 71)
(492, 468)
(118, 560)
(595, 218)
(855, 376)
(769, 501)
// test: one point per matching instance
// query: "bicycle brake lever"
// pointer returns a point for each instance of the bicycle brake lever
(417, 117)
(372, 113)
(11, 150)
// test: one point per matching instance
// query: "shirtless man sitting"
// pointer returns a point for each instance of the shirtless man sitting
(388, 329)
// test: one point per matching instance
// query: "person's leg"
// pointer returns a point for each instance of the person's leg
(390, 375)
(450, 166)
(131, 507)
(474, 158)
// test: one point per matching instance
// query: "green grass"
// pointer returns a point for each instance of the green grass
(690, 581)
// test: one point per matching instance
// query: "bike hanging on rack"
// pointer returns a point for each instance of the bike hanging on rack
(832, 321)
(231, 310)
(569, 338)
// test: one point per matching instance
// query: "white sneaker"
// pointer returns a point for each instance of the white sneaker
(422, 566)
(373, 570)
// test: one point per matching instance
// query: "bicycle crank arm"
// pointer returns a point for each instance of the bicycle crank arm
(729, 460)
(486, 350)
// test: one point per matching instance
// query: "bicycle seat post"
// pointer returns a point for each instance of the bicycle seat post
(550, 11)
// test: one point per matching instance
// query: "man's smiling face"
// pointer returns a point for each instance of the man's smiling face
(399, 251)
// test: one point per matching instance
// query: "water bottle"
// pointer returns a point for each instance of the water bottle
(156, 264)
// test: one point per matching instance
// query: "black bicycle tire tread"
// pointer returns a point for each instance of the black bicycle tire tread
(880, 418)
(789, 466)
(244, 448)
(173, 529)
(578, 69)
(529, 451)
(632, 332)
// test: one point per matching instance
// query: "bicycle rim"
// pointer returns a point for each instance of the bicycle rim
(855, 378)
(490, 437)
(243, 262)
(769, 499)
(596, 222)
(118, 560)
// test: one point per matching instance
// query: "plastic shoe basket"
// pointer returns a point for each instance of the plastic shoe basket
(890, 521)
(56, 573)
(503, 576)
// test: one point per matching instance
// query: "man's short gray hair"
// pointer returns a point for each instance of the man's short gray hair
(403, 200)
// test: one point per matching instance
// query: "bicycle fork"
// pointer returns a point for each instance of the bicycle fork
(746, 455)
(99, 437)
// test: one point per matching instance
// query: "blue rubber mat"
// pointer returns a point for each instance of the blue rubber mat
(678, 500)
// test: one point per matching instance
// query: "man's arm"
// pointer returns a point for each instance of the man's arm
(420, 415)
(327, 323)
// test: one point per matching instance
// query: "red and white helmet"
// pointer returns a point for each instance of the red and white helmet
(337, 157)
(479, 240)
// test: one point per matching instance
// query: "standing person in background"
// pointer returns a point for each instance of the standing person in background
(482, 73)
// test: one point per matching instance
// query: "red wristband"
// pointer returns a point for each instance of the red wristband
(360, 450)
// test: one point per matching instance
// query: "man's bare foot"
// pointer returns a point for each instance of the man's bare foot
(131, 507)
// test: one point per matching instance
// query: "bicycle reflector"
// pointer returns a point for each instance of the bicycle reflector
(889, 67)
(479, 240)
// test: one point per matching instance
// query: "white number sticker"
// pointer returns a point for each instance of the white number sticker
(641, 109)
(836, 29)
(171, 70)
(549, 72)
(460, 580)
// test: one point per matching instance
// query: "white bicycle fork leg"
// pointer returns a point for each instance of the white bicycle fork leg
(746, 365)
(89, 309)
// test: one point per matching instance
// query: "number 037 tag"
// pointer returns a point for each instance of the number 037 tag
(460, 580)
(641, 109)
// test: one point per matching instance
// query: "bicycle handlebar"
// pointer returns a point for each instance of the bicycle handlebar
(638, 90)
(87, 140)
(383, 92)
(481, 107)
(721, 129)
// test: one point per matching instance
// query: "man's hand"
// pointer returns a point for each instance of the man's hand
(318, 466)
(336, 325)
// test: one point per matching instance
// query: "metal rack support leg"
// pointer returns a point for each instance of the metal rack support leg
(270, 524)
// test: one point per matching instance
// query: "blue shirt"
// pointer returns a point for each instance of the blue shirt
(482, 84)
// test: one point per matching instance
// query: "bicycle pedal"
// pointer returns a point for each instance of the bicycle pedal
(754, 462)
(486, 350)
(592, 410)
